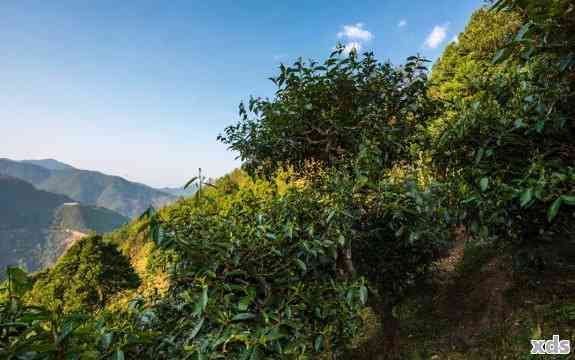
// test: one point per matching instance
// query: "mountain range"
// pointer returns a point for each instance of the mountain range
(46, 205)
(37, 226)
(87, 187)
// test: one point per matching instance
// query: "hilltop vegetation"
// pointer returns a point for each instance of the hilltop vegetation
(86, 277)
(379, 214)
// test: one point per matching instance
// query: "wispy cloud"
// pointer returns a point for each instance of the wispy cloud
(355, 33)
(354, 37)
(402, 23)
(436, 36)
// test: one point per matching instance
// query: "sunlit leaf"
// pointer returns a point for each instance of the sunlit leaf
(554, 208)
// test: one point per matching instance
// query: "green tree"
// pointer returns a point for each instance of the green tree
(363, 123)
(508, 148)
(85, 278)
(255, 257)
(36, 332)
(325, 112)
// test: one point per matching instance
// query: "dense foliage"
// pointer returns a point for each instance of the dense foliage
(360, 176)
(362, 121)
(516, 130)
(59, 314)
(256, 259)
(86, 277)
(327, 112)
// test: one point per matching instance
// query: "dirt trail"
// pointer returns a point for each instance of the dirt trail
(474, 301)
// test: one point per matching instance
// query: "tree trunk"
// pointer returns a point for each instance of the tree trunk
(345, 266)
(389, 348)
(390, 332)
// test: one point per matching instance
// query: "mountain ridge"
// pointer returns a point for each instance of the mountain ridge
(87, 186)
(37, 226)
(50, 164)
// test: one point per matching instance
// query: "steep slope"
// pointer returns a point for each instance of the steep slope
(87, 187)
(37, 226)
(28, 172)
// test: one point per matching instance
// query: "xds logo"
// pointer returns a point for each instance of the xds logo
(554, 346)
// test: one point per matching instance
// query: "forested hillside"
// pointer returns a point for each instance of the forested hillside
(381, 212)
(37, 226)
(87, 187)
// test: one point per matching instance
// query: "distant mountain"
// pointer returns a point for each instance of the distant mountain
(37, 226)
(49, 164)
(86, 218)
(87, 187)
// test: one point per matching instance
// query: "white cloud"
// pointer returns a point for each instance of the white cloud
(355, 33)
(355, 36)
(455, 39)
(354, 45)
(436, 36)
(402, 23)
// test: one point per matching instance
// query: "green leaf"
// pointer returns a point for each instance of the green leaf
(245, 303)
(274, 334)
(330, 216)
(539, 126)
(349, 297)
(318, 343)
(501, 55)
(341, 240)
(526, 197)
(363, 294)
(568, 199)
(190, 182)
(479, 155)
(118, 355)
(500, 4)
(69, 327)
(200, 305)
(243, 316)
(521, 33)
(106, 340)
(554, 208)
(301, 265)
(196, 329)
(566, 62)
(204, 300)
(484, 183)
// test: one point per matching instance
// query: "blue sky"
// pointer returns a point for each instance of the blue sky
(141, 89)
